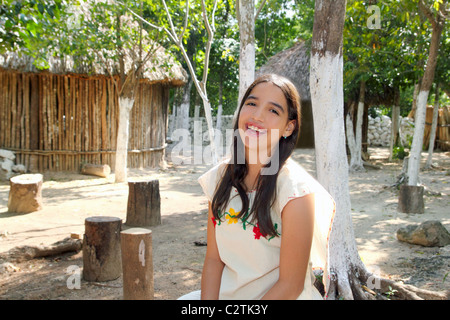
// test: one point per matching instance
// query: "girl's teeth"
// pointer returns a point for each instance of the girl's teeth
(255, 128)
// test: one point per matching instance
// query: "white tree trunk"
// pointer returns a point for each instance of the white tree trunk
(427, 80)
(212, 138)
(355, 141)
(196, 112)
(219, 108)
(183, 116)
(326, 83)
(246, 21)
(417, 143)
(428, 164)
(219, 117)
(120, 169)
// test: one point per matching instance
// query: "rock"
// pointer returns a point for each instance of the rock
(428, 234)
(19, 168)
(7, 154)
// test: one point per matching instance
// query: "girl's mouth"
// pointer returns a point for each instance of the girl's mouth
(254, 130)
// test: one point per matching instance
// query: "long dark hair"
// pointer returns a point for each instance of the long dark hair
(236, 171)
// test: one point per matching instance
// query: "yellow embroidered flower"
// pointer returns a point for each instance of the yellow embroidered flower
(232, 216)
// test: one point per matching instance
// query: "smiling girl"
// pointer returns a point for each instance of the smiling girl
(267, 229)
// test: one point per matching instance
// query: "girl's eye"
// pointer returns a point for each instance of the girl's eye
(274, 111)
(251, 104)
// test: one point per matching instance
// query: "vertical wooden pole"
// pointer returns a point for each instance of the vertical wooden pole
(137, 264)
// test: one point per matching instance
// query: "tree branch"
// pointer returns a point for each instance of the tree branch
(171, 36)
(209, 42)
(186, 16)
(171, 23)
(428, 13)
(259, 9)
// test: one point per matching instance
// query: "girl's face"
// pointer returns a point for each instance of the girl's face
(263, 120)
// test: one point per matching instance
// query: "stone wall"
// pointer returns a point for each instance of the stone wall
(379, 131)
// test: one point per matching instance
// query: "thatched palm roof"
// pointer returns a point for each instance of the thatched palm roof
(161, 67)
(293, 64)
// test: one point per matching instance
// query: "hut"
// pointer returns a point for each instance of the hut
(61, 118)
(293, 64)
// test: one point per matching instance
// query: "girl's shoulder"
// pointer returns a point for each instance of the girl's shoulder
(293, 172)
(293, 182)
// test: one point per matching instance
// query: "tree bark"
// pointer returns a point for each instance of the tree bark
(246, 20)
(101, 249)
(137, 264)
(410, 199)
(144, 204)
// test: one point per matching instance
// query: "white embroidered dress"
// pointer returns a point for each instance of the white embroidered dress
(251, 260)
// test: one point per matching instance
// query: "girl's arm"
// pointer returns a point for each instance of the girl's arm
(297, 229)
(213, 266)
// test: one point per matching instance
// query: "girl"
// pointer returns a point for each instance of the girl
(268, 220)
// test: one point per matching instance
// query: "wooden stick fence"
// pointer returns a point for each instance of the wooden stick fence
(58, 122)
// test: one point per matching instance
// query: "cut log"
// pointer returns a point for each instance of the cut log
(410, 199)
(137, 264)
(101, 170)
(144, 204)
(101, 249)
(23, 253)
(25, 194)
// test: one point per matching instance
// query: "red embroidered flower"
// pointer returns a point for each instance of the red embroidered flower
(214, 221)
(256, 232)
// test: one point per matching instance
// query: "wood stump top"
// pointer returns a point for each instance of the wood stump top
(137, 231)
(27, 178)
(100, 219)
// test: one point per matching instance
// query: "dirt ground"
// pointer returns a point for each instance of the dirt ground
(177, 258)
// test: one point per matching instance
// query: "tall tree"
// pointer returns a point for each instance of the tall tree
(437, 20)
(326, 83)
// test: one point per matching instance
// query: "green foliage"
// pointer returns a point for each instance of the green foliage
(398, 152)
(31, 27)
(280, 24)
(386, 56)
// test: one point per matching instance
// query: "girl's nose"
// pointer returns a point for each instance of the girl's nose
(258, 114)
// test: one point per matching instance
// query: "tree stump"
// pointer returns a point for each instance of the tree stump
(144, 204)
(410, 199)
(137, 264)
(25, 194)
(101, 249)
(101, 170)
